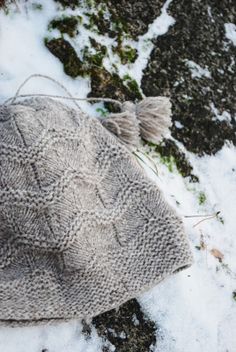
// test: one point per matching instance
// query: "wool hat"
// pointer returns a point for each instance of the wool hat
(82, 227)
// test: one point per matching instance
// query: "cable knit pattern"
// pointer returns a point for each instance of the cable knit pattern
(82, 228)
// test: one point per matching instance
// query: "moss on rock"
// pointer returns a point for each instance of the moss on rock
(127, 328)
(201, 198)
(170, 153)
(98, 21)
(69, 3)
(91, 59)
(110, 85)
(126, 53)
(197, 40)
(134, 16)
(103, 83)
(66, 25)
(132, 86)
(63, 50)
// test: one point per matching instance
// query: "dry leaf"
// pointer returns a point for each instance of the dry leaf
(217, 254)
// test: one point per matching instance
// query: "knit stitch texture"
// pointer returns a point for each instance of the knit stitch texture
(82, 227)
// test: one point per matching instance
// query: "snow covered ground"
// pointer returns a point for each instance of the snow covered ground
(194, 309)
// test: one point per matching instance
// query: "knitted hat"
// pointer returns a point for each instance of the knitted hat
(82, 227)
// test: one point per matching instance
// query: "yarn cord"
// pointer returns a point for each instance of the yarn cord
(68, 97)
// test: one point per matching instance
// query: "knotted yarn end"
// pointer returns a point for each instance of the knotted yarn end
(150, 119)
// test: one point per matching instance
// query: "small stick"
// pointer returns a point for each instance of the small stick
(208, 218)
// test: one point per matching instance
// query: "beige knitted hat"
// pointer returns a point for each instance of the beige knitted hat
(82, 227)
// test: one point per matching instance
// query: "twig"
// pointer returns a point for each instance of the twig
(207, 218)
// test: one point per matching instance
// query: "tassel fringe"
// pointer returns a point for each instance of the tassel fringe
(154, 114)
(150, 120)
(125, 126)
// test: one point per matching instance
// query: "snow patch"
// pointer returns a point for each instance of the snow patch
(194, 308)
(225, 116)
(60, 337)
(196, 70)
(178, 124)
(230, 32)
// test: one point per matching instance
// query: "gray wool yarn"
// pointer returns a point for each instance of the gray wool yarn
(82, 227)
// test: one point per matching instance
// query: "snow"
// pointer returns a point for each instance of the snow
(230, 32)
(225, 116)
(178, 124)
(196, 70)
(194, 309)
(64, 337)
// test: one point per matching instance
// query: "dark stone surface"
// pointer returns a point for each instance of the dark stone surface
(103, 83)
(107, 85)
(197, 35)
(135, 15)
(167, 150)
(64, 51)
(127, 328)
(65, 25)
(69, 3)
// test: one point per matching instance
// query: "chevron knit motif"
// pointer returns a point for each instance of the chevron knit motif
(82, 227)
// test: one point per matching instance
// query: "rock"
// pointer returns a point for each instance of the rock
(194, 63)
(134, 15)
(69, 3)
(66, 25)
(127, 328)
(107, 85)
(167, 150)
(64, 51)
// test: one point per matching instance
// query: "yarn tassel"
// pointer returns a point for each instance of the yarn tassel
(125, 126)
(149, 119)
(154, 114)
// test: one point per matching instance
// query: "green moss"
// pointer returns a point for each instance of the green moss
(114, 26)
(169, 161)
(201, 198)
(132, 85)
(109, 85)
(118, 327)
(90, 3)
(126, 53)
(66, 25)
(97, 22)
(96, 59)
(102, 112)
(64, 51)
(69, 3)
(167, 149)
(98, 46)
